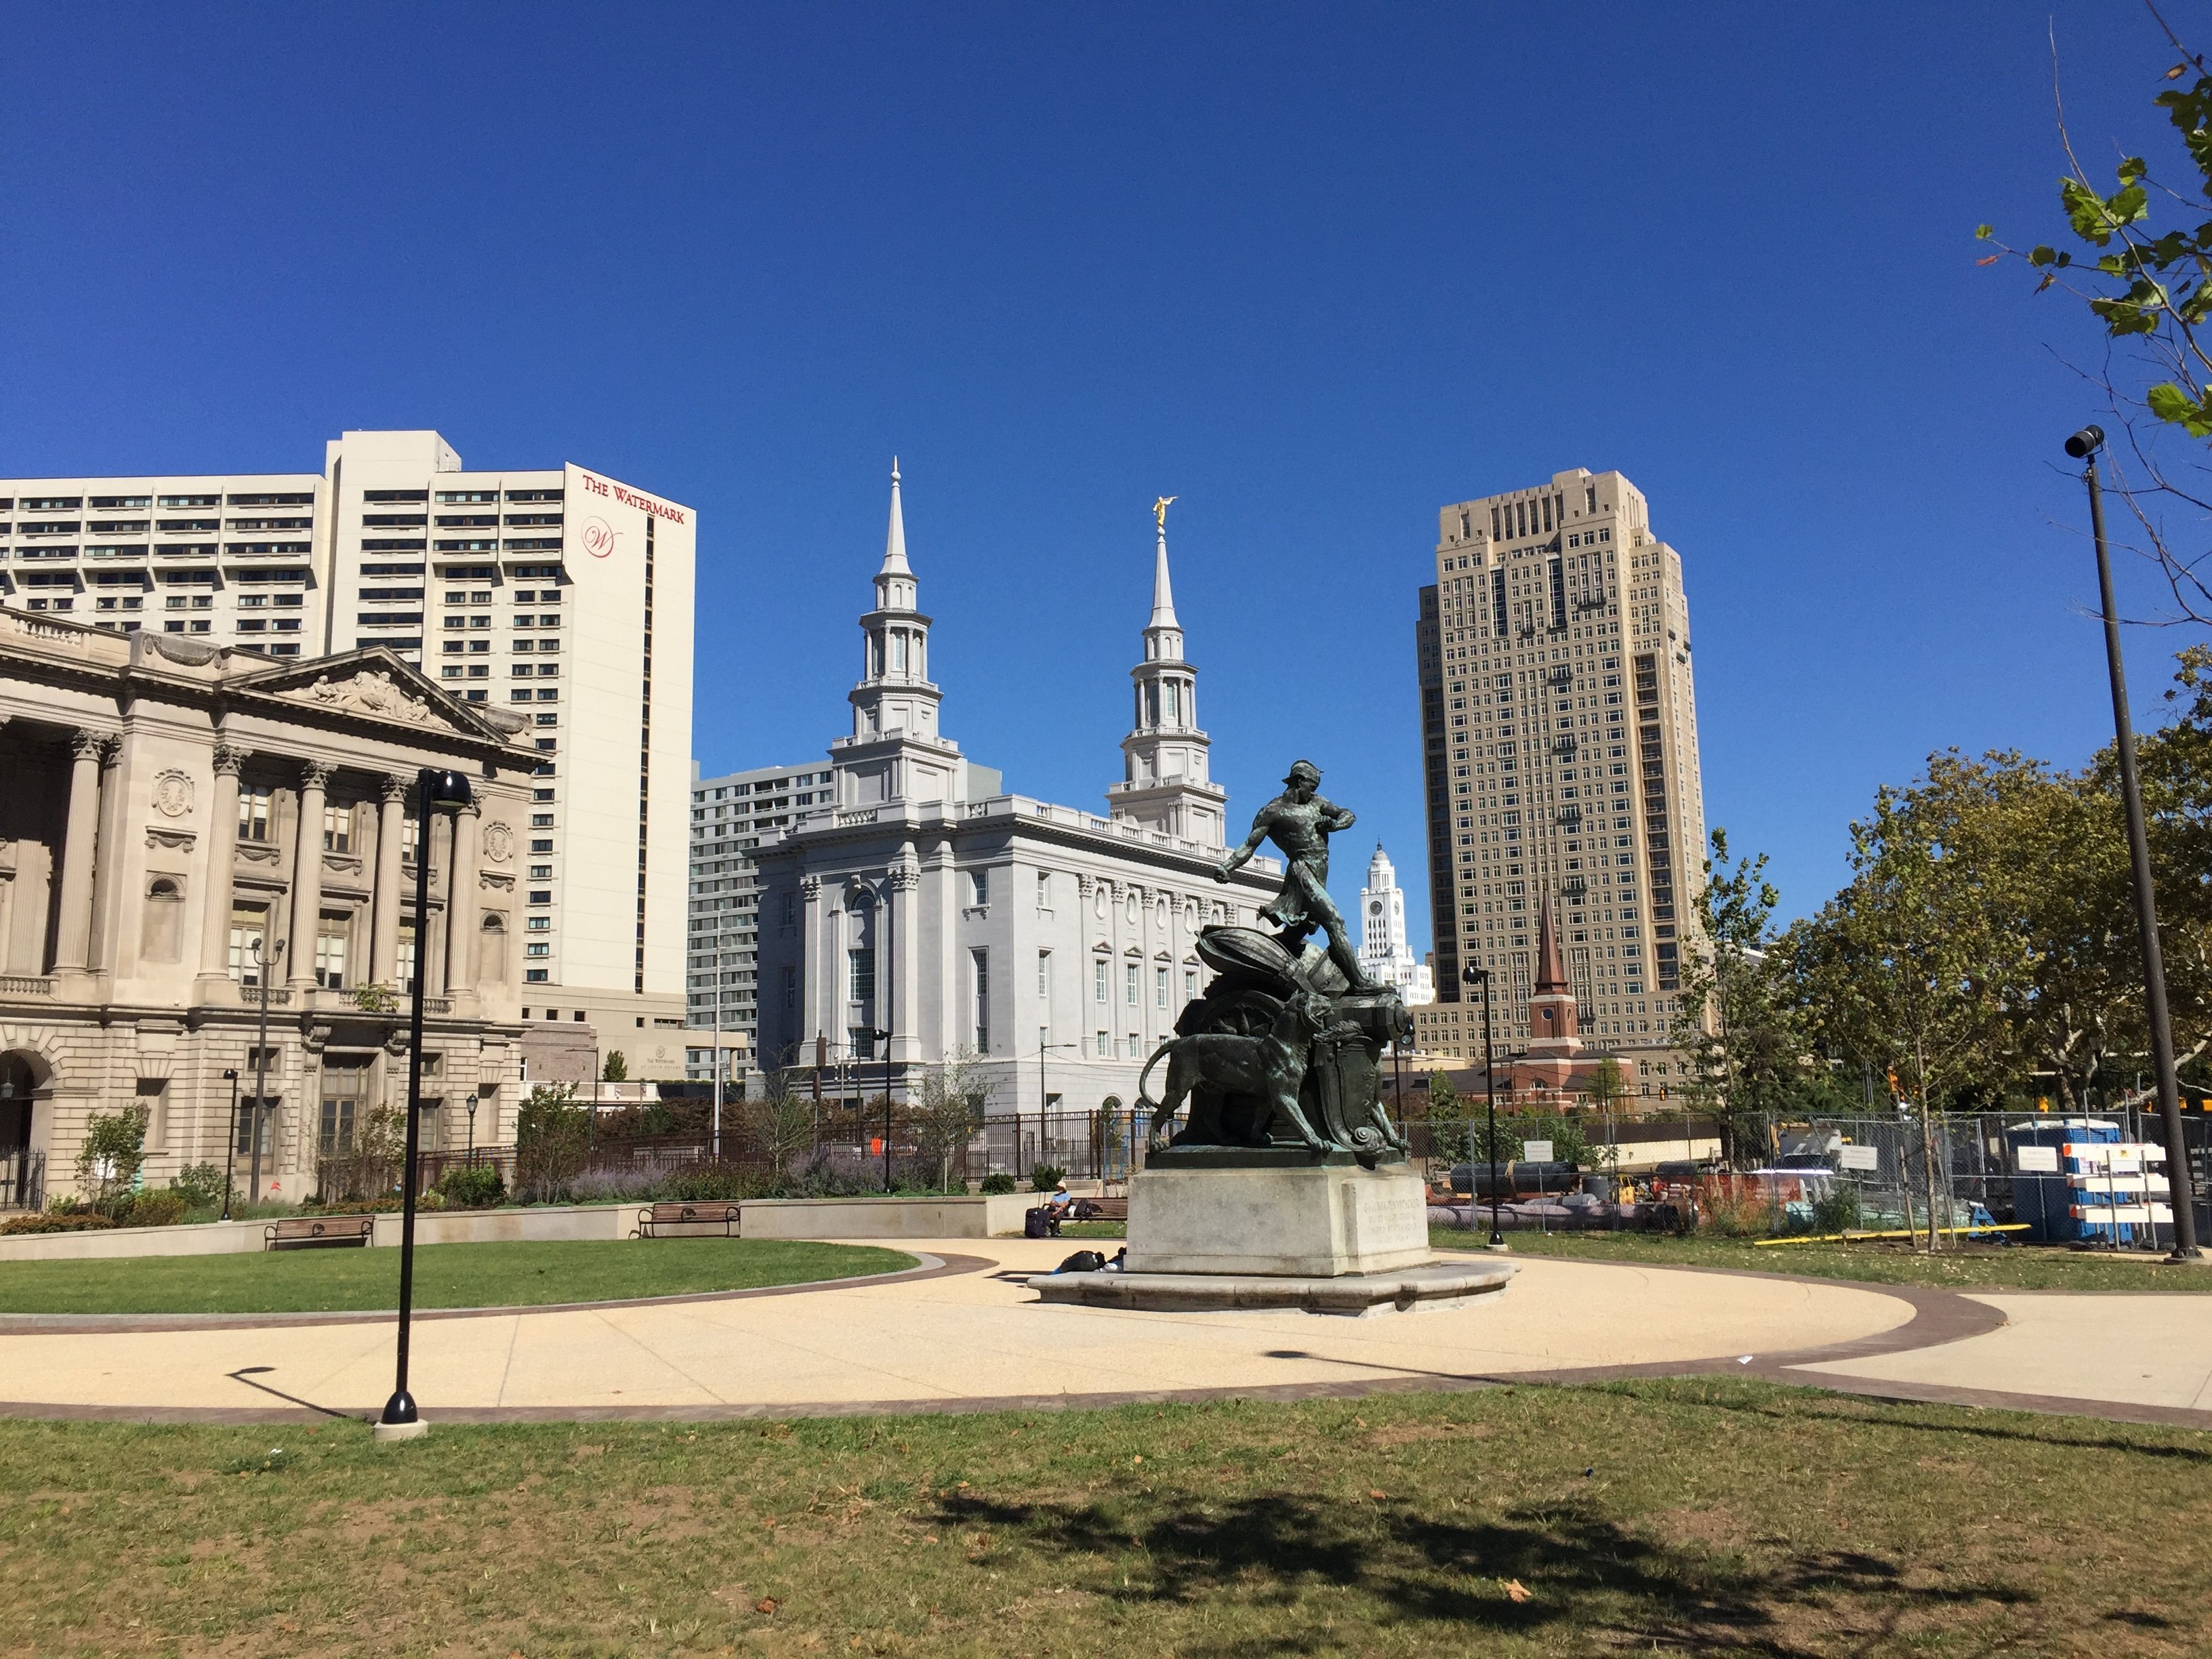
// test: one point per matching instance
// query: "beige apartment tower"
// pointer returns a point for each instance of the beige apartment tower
(1559, 743)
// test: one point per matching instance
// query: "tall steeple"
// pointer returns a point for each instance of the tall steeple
(1164, 785)
(1554, 1022)
(895, 751)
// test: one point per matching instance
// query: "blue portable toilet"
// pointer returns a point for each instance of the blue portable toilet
(2046, 1200)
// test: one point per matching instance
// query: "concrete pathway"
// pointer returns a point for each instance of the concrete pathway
(974, 1337)
(2150, 1352)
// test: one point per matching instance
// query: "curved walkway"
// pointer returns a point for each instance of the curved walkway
(963, 1333)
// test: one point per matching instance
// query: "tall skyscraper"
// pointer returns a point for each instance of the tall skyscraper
(1384, 950)
(1559, 742)
(556, 591)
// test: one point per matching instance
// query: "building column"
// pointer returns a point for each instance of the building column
(430, 951)
(222, 860)
(106, 944)
(389, 895)
(461, 902)
(307, 877)
(905, 1005)
(73, 943)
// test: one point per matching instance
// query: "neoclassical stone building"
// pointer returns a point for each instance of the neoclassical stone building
(922, 900)
(172, 812)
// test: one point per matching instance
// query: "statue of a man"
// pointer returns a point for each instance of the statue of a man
(1300, 822)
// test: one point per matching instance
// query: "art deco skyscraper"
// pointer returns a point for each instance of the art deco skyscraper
(1560, 752)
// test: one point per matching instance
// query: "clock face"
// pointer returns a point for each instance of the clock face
(1374, 908)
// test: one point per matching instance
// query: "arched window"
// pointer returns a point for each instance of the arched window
(491, 948)
(162, 931)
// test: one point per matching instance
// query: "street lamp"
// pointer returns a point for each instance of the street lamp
(2083, 447)
(263, 968)
(1044, 1129)
(1476, 974)
(434, 791)
(884, 1038)
(230, 1149)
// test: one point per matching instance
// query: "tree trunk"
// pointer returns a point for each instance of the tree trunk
(1927, 1140)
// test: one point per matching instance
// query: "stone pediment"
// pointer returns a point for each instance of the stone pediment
(375, 685)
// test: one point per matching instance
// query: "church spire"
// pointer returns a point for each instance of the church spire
(894, 542)
(1164, 785)
(1163, 614)
(1550, 977)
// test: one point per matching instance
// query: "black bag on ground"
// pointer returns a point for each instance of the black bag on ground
(1082, 1262)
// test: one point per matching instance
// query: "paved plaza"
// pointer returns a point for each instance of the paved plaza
(963, 1332)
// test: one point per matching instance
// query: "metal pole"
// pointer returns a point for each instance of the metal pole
(1477, 975)
(2181, 1188)
(230, 1150)
(399, 1420)
(890, 1012)
(717, 1036)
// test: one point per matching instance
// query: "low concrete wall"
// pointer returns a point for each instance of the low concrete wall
(562, 1221)
(209, 1238)
(538, 1223)
(997, 1215)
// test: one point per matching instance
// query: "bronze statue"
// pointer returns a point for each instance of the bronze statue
(1299, 821)
(1280, 1058)
(1269, 1067)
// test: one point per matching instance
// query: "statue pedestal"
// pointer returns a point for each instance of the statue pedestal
(1313, 1221)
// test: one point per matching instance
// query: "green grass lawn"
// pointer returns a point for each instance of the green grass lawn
(1966, 1267)
(445, 1275)
(1680, 1516)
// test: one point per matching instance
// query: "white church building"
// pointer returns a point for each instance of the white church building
(1384, 950)
(923, 911)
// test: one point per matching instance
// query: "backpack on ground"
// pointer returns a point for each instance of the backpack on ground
(1082, 1262)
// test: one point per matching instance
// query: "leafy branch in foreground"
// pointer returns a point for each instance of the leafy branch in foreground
(2143, 265)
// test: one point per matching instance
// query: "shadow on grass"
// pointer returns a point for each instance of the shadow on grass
(1381, 1563)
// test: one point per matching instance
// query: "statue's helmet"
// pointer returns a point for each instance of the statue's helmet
(1303, 772)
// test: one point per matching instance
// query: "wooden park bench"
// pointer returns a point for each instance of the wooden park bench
(314, 1231)
(1100, 1209)
(711, 1212)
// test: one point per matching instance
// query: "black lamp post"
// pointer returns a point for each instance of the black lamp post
(230, 1150)
(884, 1038)
(433, 790)
(2083, 447)
(1480, 976)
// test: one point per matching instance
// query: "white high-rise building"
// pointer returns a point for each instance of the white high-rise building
(1384, 951)
(556, 593)
(732, 817)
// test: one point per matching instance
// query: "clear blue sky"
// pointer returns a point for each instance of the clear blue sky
(1316, 270)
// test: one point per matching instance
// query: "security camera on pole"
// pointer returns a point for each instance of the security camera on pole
(2083, 447)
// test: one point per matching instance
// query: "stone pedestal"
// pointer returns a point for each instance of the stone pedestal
(1316, 1221)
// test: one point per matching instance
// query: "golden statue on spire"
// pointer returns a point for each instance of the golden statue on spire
(1160, 512)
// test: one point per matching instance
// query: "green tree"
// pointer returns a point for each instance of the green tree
(111, 1155)
(616, 1068)
(1735, 1022)
(781, 1122)
(1452, 1121)
(552, 1138)
(1918, 964)
(948, 1109)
